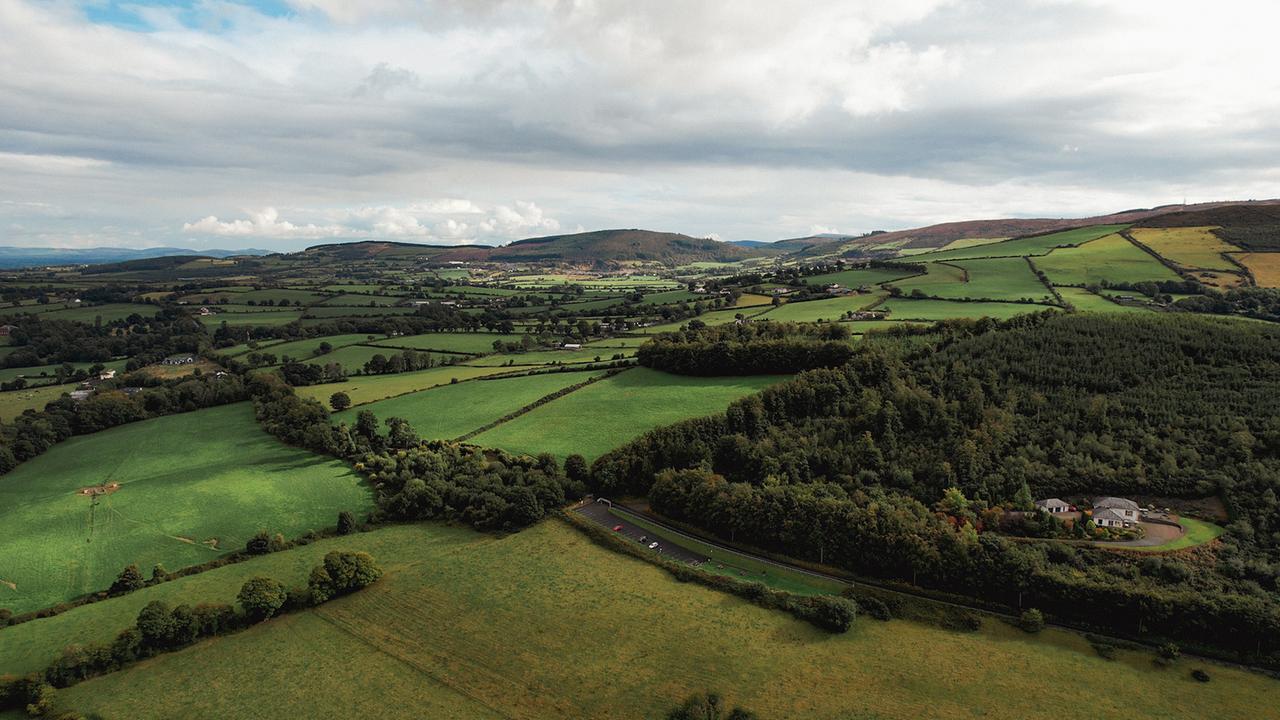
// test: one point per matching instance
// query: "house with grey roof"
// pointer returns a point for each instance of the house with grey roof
(1054, 505)
(1108, 517)
(1126, 510)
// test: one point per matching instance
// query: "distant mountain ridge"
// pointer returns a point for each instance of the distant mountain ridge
(577, 248)
(20, 257)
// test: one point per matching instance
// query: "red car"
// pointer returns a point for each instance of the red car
(617, 528)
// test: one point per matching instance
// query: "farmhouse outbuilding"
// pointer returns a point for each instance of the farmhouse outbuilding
(6, 330)
(1054, 505)
(1126, 510)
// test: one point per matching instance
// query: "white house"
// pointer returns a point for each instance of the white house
(1108, 518)
(572, 346)
(1054, 505)
(106, 374)
(1126, 510)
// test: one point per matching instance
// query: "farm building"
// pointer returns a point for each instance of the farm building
(572, 346)
(1126, 510)
(205, 311)
(6, 330)
(1054, 505)
(106, 374)
(178, 360)
(80, 395)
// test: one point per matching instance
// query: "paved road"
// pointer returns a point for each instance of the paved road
(599, 513)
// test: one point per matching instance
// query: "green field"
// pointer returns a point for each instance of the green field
(368, 388)
(325, 311)
(908, 309)
(13, 402)
(362, 300)
(1085, 301)
(461, 342)
(576, 631)
(1008, 279)
(1038, 245)
(552, 357)
(451, 411)
(856, 278)
(1110, 258)
(185, 480)
(242, 319)
(717, 317)
(305, 349)
(606, 414)
(47, 374)
(829, 310)
(242, 296)
(1190, 247)
(108, 312)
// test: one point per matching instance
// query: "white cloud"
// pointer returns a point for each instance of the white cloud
(448, 220)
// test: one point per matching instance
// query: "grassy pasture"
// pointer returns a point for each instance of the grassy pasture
(242, 319)
(615, 342)
(242, 296)
(108, 312)
(1038, 245)
(185, 480)
(460, 342)
(938, 277)
(814, 310)
(1009, 279)
(576, 631)
(1110, 258)
(857, 278)
(1085, 301)
(304, 349)
(347, 300)
(325, 311)
(46, 374)
(1190, 247)
(715, 317)
(451, 411)
(1264, 266)
(13, 402)
(552, 357)
(908, 309)
(368, 388)
(606, 414)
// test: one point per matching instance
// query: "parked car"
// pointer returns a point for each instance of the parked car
(617, 528)
(653, 546)
(644, 539)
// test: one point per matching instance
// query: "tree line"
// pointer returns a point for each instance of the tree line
(759, 348)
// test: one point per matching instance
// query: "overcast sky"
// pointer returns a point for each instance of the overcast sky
(283, 123)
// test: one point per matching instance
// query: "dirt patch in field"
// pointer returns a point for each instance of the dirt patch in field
(11, 586)
(99, 489)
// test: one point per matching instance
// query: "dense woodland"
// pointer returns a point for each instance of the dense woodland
(852, 466)
(143, 340)
(747, 349)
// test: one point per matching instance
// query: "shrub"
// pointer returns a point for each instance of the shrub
(1106, 651)
(708, 706)
(261, 597)
(1168, 654)
(346, 522)
(1031, 620)
(961, 621)
(155, 623)
(874, 607)
(835, 614)
(342, 572)
(1200, 675)
(127, 581)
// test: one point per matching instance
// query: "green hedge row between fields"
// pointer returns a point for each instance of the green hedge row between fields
(161, 629)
